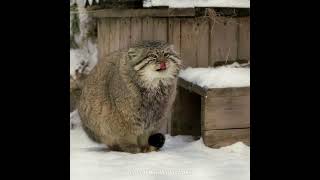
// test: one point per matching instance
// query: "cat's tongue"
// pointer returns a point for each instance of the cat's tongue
(163, 66)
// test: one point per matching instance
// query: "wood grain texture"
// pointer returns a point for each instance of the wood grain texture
(186, 114)
(114, 34)
(244, 38)
(104, 37)
(174, 36)
(160, 27)
(220, 138)
(202, 32)
(188, 43)
(136, 30)
(143, 12)
(227, 112)
(147, 28)
(223, 40)
(125, 32)
(228, 92)
(192, 87)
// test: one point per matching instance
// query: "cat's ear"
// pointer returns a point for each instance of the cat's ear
(172, 48)
(133, 53)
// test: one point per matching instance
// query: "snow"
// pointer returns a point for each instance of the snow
(197, 3)
(88, 51)
(80, 3)
(87, 54)
(180, 158)
(220, 77)
(75, 120)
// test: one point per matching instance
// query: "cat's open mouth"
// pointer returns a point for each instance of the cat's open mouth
(160, 70)
(162, 67)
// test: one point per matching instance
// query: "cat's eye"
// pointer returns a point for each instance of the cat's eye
(153, 55)
(166, 54)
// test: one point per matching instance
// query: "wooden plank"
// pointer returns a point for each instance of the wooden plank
(191, 87)
(124, 33)
(174, 36)
(185, 12)
(244, 38)
(203, 42)
(220, 138)
(202, 113)
(226, 112)
(229, 92)
(104, 37)
(160, 27)
(136, 30)
(186, 114)
(147, 28)
(114, 34)
(223, 40)
(188, 43)
(222, 63)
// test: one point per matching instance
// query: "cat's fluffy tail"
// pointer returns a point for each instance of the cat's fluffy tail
(156, 140)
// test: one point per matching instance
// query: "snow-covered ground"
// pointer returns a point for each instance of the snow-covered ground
(180, 158)
(221, 77)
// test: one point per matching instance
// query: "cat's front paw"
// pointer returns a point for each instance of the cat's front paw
(148, 148)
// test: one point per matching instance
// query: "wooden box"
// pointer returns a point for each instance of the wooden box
(221, 116)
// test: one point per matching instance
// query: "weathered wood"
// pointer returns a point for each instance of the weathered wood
(136, 30)
(220, 138)
(202, 32)
(160, 26)
(114, 34)
(199, 44)
(244, 38)
(222, 63)
(216, 92)
(223, 40)
(193, 40)
(188, 43)
(192, 87)
(228, 92)
(104, 37)
(202, 113)
(185, 12)
(174, 33)
(124, 33)
(227, 112)
(220, 109)
(147, 28)
(186, 114)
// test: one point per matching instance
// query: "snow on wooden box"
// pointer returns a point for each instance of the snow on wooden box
(220, 115)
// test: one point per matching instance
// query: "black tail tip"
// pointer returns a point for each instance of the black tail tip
(157, 140)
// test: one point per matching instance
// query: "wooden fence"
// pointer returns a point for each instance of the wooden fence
(200, 41)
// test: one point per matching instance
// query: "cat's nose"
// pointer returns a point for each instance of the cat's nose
(163, 61)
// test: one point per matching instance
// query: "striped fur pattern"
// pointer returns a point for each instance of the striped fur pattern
(129, 95)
